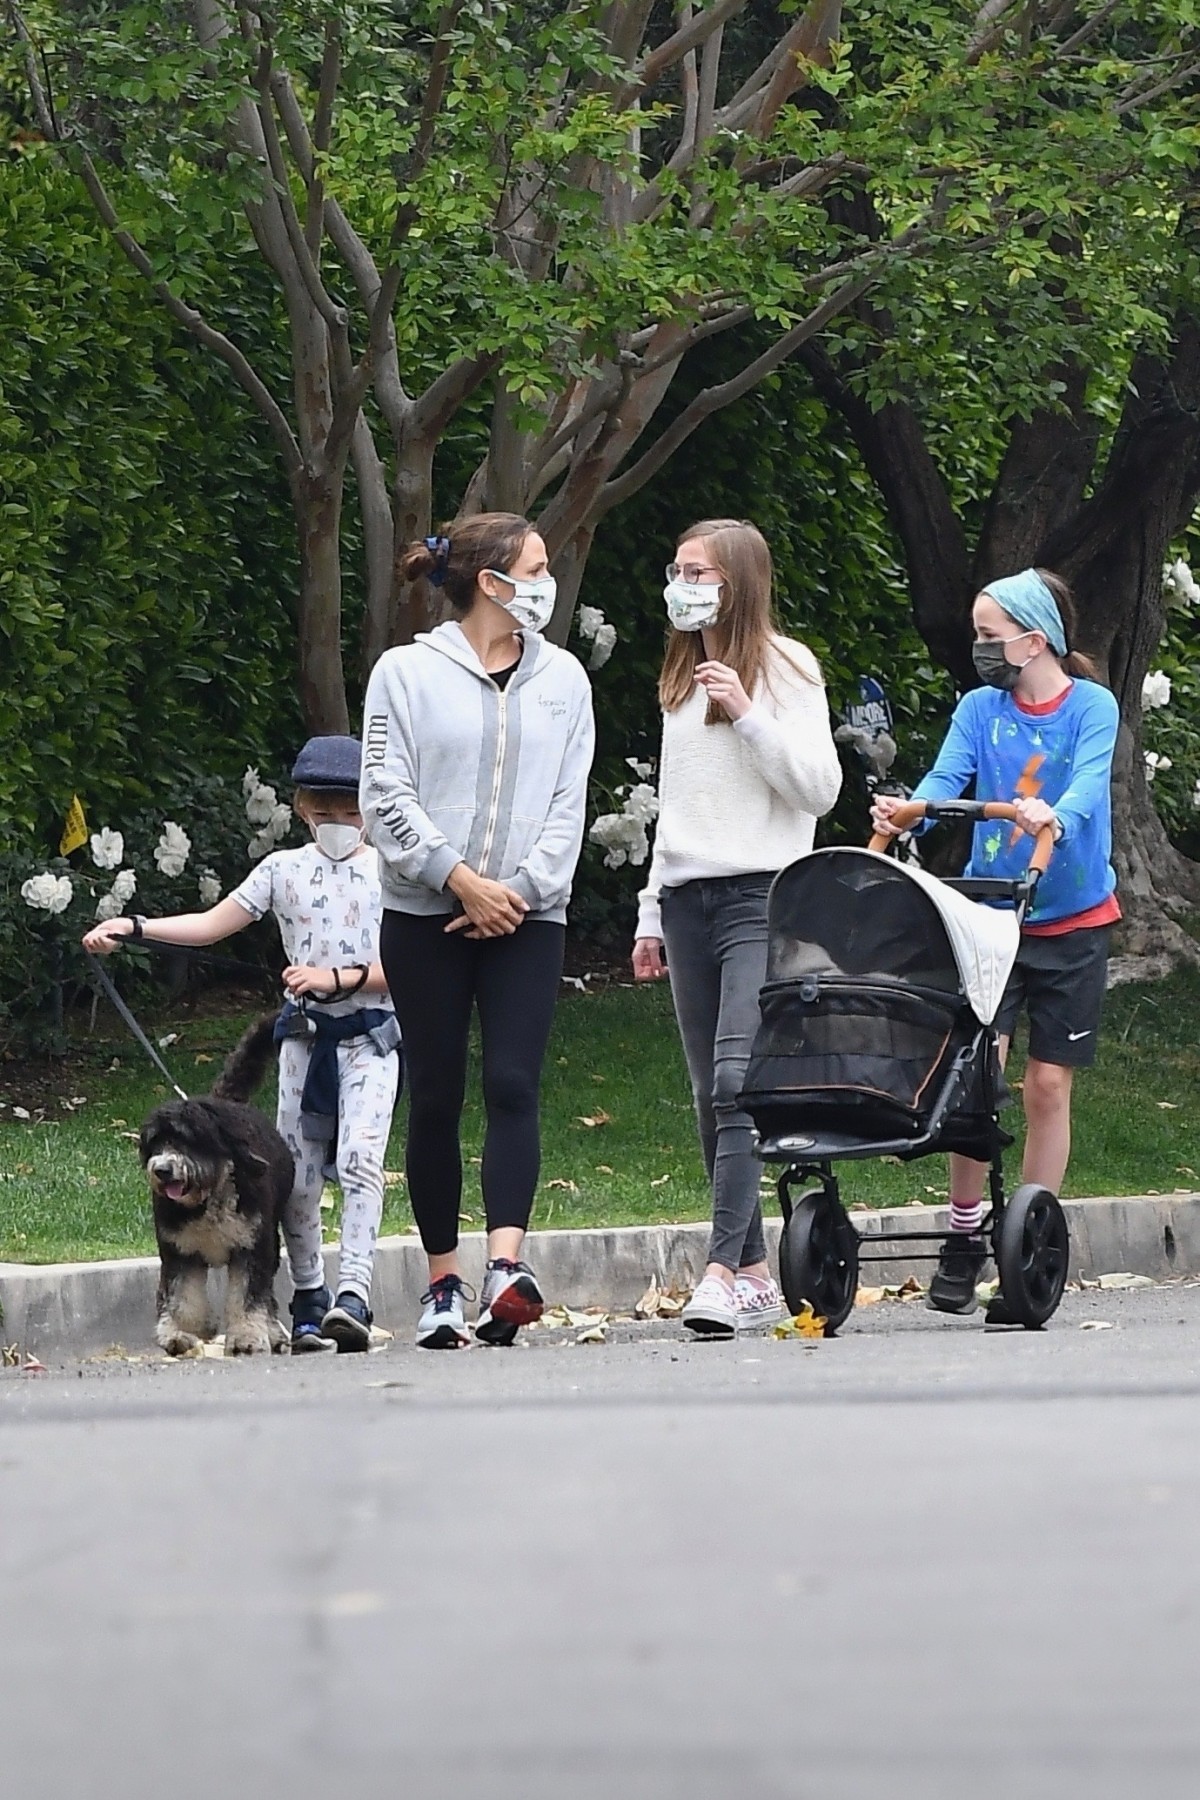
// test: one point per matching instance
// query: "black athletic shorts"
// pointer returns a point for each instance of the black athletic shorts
(1059, 981)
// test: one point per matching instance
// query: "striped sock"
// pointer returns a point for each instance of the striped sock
(966, 1215)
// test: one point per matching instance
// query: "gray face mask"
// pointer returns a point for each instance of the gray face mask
(993, 666)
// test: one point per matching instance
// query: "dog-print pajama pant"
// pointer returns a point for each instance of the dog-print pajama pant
(367, 1088)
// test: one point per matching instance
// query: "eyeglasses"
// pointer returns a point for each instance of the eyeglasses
(691, 572)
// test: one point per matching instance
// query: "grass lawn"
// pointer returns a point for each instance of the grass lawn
(619, 1142)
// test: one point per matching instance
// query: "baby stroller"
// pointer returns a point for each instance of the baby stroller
(876, 1040)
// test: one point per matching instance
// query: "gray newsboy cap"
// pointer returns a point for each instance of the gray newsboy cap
(329, 762)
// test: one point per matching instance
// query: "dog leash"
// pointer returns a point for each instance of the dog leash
(101, 976)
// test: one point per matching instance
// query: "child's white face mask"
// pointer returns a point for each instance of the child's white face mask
(337, 842)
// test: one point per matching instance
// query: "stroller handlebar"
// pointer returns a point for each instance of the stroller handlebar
(914, 810)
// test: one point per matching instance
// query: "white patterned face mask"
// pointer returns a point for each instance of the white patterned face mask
(691, 605)
(337, 842)
(532, 602)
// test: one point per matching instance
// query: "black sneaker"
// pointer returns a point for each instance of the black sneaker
(308, 1308)
(511, 1298)
(960, 1265)
(348, 1322)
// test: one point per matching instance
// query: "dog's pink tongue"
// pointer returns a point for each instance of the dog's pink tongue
(175, 1190)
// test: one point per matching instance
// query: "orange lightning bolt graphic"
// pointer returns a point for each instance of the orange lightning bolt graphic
(1028, 787)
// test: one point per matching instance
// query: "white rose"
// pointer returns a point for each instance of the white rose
(280, 822)
(108, 848)
(172, 849)
(623, 837)
(210, 888)
(641, 803)
(125, 886)
(589, 620)
(603, 644)
(260, 804)
(640, 769)
(1156, 690)
(260, 845)
(108, 906)
(249, 782)
(1154, 763)
(39, 891)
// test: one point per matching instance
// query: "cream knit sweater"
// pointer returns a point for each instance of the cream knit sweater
(737, 799)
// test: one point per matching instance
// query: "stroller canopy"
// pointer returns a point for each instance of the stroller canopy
(854, 913)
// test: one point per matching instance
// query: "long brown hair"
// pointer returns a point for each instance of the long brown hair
(461, 552)
(1074, 662)
(746, 626)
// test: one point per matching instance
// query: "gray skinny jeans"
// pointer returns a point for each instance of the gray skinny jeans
(715, 932)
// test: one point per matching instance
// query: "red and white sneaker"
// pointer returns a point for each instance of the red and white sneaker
(759, 1302)
(511, 1298)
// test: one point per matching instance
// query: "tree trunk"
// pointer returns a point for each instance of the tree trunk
(317, 501)
(412, 607)
(570, 564)
(370, 479)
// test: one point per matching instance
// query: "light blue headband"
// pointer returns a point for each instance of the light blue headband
(1027, 599)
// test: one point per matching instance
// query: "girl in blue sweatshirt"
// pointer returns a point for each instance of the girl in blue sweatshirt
(1040, 733)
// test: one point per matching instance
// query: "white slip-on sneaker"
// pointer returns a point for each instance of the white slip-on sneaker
(712, 1310)
(759, 1302)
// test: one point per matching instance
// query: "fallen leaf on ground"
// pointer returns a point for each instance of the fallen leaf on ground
(806, 1324)
(591, 1120)
(561, 1182)
(603, 1169)
(660, 1180)
(203, 1057)
(647, 1306)
(10, 1355)
(31, 1366)
(1096, 1325)
(1122, 1279)
(393, 1178)
(986, 1290)
(595, 1334)
(869, 1296)
(1167, 1105)
(21, 1112)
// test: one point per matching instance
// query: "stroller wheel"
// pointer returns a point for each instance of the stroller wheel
(818, 1259)
(1032, 1246)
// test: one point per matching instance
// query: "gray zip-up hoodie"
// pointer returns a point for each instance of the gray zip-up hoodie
(458, 769)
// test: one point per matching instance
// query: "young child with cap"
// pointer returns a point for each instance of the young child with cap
(339, 1062)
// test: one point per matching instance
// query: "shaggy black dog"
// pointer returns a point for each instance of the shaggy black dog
(220, 1175)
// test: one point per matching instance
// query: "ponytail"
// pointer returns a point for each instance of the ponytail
(1074, 662)
(455, 558)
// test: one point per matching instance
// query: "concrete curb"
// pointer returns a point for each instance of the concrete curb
(76, 1309)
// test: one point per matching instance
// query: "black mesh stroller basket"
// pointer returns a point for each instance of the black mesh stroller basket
(863, 1011)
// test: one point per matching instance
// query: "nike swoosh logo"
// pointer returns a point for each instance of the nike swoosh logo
(1073, 1036)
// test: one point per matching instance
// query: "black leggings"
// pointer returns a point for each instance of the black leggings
(434, 977)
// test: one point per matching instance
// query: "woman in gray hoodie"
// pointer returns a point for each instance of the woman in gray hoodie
(478, 740)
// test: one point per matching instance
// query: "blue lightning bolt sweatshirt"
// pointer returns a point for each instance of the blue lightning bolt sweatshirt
(1061, 753)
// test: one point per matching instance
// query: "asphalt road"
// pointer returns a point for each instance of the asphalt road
(924, 1559)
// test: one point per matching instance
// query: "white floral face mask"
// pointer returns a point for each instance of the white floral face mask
(532, 601)
(691, 605)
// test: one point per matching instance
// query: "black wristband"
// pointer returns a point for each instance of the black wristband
(364, 975)
(137, 922)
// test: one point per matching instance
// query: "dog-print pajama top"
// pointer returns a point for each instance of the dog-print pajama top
(328, 915)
